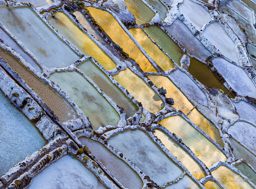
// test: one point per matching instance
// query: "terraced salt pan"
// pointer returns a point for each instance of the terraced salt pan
(112, 28)
(188, 87)
(104, 83)
(37, 36)
(87, 98)
(241, 152)
(205, 125)
(121, 171)
(247, 171)
(181, 155)
(140, 11)
(187, 40)
(229, 179)
(18, 137)
(66, 173)
(140, 149)
(220, 39)
(236, 28)
(140, 90)
(10, 42)
(82, 20)
(152, 49)
(247, 24)
(165, 42)
(205, 75)
(246, 111)
(195, 14)
(180, 100)
(241, 9)
(244, 133)
(201, 146)
(50, 96)
(77, 37)
(235, 77)
(211, 185)
(159, 7)
(185, 182)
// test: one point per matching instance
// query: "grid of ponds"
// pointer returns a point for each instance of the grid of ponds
(127, 94)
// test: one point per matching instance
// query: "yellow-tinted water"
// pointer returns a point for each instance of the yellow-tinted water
(77, 37)
(120, 37)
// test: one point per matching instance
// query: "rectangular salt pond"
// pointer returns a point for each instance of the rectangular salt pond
(104, 83)
(11, 43)
(83, 42)
(152, 49)
(241, 9)
(195, 14)
(201, 146)
(140, 11)
(87, 25)
(206, 76)
(18, 137)
(235, 77)
(246, 24)
(51, 98)
(37, 37)
(211, 184)
(244, 133)
(188, 86)
(220, 39)
(87, 98)
(229, 179)
(187, 40)
(205, 125)
(247, 171)
(194, 168)
(66, 173)
(140, 149)
(246, 111)
(180, 100)
(113, 29)
(165, 42)
(241, 152)
(140, 90)
(121, 171)
(159, 7)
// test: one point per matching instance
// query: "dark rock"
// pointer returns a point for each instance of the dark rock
(169, 101)
(162, 91)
